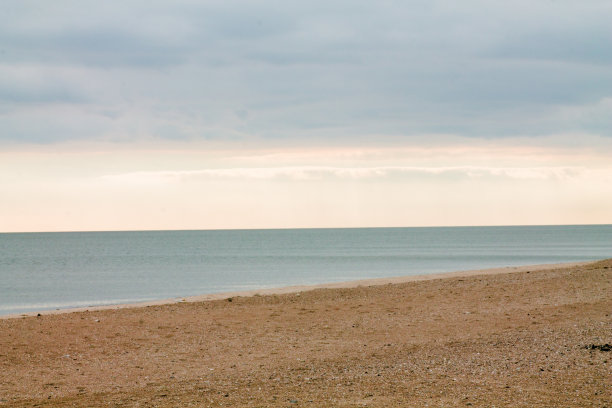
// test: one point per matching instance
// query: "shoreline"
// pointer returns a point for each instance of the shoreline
(519, 336)
(302, 288)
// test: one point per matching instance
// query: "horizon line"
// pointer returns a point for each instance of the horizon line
(308, 228)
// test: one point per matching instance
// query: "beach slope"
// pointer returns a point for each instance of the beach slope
(524, 338)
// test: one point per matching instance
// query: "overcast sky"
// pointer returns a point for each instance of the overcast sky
(188, 97)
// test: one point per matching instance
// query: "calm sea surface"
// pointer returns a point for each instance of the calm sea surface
(41, 271)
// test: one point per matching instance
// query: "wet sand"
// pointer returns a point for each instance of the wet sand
(533, 336)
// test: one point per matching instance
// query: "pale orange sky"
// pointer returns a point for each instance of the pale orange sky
(199, 186)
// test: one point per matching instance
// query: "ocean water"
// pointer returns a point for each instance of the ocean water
(42, 271)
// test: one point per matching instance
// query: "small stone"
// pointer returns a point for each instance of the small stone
(600, 347)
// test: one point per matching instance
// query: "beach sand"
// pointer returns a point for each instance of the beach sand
(533, 336)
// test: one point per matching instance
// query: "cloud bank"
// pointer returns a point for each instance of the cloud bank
(186, 70)
(313, 173)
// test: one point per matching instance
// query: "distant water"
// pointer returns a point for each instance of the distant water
(41, 271)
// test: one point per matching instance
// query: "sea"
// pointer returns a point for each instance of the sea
(47, 271)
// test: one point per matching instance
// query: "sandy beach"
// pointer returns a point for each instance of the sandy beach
(528, 336)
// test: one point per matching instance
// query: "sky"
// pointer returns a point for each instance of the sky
(146, 115)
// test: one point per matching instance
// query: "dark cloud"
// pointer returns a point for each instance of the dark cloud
(93, 47)
(589, 45)
(16, 93)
